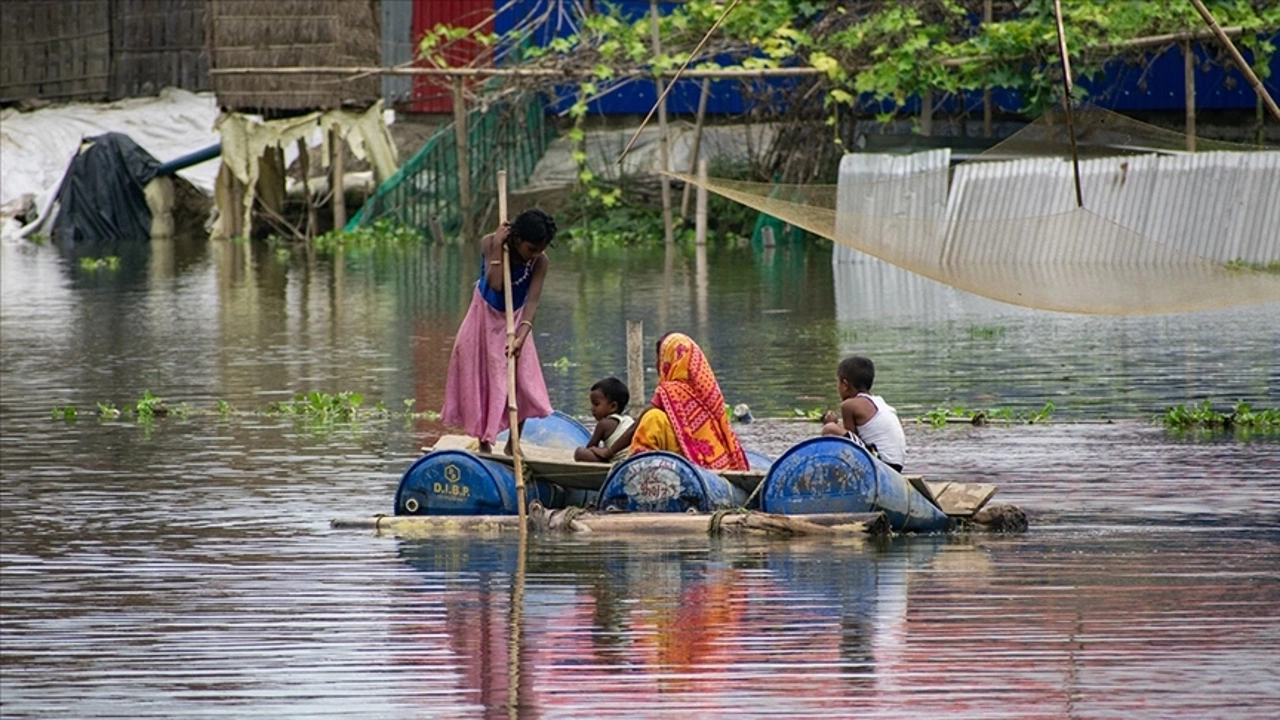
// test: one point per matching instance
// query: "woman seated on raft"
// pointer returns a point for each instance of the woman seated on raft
(686, 415)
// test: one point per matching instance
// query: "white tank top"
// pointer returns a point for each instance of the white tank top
(884, 431)
(624, 423)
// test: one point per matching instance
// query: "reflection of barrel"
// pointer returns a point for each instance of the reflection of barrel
(454, 482)
(836, 475)
(659, 481)
(556, 430)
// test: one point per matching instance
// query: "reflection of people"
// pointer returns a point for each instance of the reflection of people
(609, 398)
(686, 414)
(866, 417)
(475, 397)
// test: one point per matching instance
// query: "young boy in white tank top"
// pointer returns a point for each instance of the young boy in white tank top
(865, 417)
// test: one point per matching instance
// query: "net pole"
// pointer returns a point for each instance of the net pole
(1066, 98)
(1237, 57)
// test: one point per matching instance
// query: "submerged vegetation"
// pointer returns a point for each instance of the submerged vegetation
(1272, 267)
(320, 408)
(110, 262)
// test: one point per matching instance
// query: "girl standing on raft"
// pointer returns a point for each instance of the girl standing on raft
(475, 396)
(686, 415)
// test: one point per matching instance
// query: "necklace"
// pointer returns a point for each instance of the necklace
(528, 267)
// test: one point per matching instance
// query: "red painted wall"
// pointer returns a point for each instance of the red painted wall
(431, 94)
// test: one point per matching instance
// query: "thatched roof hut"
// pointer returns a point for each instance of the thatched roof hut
(294, 33)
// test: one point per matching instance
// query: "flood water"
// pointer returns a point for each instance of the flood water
(186, 567)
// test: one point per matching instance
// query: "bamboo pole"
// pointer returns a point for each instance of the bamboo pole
(337, 179)
(700, 208)
(696, 152)
(1239, 59)
(635, 360)
(633, 524)
(926, 112)
(513, 410)
(464, 159)
(716, 73)
(1189, 84)
(988, 14)
(1066, 98)
(304, 168)
(664, 145)
(515, 629)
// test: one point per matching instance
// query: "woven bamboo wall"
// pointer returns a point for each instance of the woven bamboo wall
(55, 50)
(294, 33)
(156, 44)
(100, 49)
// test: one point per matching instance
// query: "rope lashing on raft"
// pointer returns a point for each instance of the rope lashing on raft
(714, 528)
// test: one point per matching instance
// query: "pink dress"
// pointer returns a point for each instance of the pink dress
(475, 394)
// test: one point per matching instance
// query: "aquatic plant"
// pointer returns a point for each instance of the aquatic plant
(110, 262)
(1204, 416)
(149, 407)
(378, 234)
(959, 414)
(1272, 267)
(986, 332)
(65, 413)
(321, 406)
(108, 411)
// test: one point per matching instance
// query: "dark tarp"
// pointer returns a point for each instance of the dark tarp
(101, 197)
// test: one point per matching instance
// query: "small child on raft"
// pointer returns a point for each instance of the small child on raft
(865, 417)
(609, 398)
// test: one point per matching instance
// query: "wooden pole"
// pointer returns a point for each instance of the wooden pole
(337, 179)
(304, 167)
(1189, 80)
(1239, 59)
(513, 410)
(664, 147)
(988, 14)
(515, 628)
(464, 160)
(696, 152)
(635, 361)
(1066, 98)
(700, 208)
(926, 112)
(437, 230)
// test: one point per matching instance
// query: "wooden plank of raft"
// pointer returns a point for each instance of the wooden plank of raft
(960, 499)
(561, 521)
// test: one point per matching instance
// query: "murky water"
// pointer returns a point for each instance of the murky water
(186, 568)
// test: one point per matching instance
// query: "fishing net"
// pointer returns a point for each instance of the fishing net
(1161, 230)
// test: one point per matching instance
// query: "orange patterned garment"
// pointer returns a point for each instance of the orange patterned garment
(694, 406)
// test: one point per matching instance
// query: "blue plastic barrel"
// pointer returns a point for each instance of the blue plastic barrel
(659, 481)
(758, 461)
(455, 482)
(556, 430)
(835, 475)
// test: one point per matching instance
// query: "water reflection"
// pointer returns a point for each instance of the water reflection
(683, 625)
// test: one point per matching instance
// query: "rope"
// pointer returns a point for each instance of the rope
(717, 517)
(754, 494)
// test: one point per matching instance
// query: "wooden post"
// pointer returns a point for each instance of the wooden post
(513, 410)
(766, 234)
(464, 161)
(304, 167)
(664, 148)
(988, 14)
(1189, 73)
(437, 230)
(700, 208)
(696, 152)
(337, 179)
(1254, 82)
(635, 361)
(926, 112)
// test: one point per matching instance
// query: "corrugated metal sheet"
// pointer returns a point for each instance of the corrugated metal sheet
(1149, 209)
(892, 205)
(431, 95)
(397, 49)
